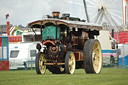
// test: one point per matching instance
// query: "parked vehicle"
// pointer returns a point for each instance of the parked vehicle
(20, 53)
(70, 44)
(123, 57)
(109, 48)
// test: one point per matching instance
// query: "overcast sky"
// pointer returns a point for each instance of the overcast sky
(25, 11)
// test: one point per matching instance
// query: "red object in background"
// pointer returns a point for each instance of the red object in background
(15, 38)
(8, 28)
(127, 0)
(123, 37)
(4, 65)
(0, 42)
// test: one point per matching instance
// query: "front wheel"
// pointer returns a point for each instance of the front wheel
(70, 63)
(39, 63)
(93, 56)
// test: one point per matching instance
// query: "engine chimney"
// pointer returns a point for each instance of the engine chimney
(55, 14)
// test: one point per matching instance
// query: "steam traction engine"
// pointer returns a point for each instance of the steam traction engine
(69, 45)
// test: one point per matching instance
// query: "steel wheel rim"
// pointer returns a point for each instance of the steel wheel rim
(71, 63)
(97, 57)
(42, 67)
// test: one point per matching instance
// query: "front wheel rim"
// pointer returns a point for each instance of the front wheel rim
(42, 67)
(71, 63)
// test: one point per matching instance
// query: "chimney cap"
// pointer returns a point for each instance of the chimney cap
(55, 14)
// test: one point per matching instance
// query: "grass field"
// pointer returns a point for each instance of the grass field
(108, 76)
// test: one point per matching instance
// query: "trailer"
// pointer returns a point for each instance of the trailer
(69, 44)
(21, 53)
(109, 48)
(123, 57)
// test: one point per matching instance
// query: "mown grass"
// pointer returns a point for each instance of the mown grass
(108, 76)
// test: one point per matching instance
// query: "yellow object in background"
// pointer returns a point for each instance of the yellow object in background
(124, 29)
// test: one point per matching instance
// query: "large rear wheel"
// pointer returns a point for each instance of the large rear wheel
(70, 63)
(93, 56)
(39, 63)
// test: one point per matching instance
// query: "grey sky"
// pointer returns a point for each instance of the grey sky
(25, 11)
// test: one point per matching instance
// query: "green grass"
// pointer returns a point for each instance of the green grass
(108, 76)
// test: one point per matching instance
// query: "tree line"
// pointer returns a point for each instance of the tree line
(19, 26)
